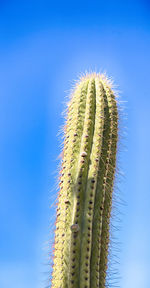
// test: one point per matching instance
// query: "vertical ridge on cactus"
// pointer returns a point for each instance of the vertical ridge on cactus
(86, 186)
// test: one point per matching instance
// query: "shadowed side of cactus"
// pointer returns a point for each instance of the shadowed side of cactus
(86, 184)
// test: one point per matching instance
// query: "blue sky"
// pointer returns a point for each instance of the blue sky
(44, 46)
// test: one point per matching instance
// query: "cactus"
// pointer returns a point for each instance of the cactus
(86, 183)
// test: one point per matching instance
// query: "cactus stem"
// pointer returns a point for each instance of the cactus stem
(86, 185)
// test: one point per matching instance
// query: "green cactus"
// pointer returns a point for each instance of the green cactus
(86, 184)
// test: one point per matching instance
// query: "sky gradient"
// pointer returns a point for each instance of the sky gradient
(44, 47)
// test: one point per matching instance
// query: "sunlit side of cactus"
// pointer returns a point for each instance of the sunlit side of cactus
(86, 185)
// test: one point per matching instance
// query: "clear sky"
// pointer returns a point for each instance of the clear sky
(44, 46)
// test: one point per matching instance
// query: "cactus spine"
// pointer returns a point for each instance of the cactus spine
(86, 184)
